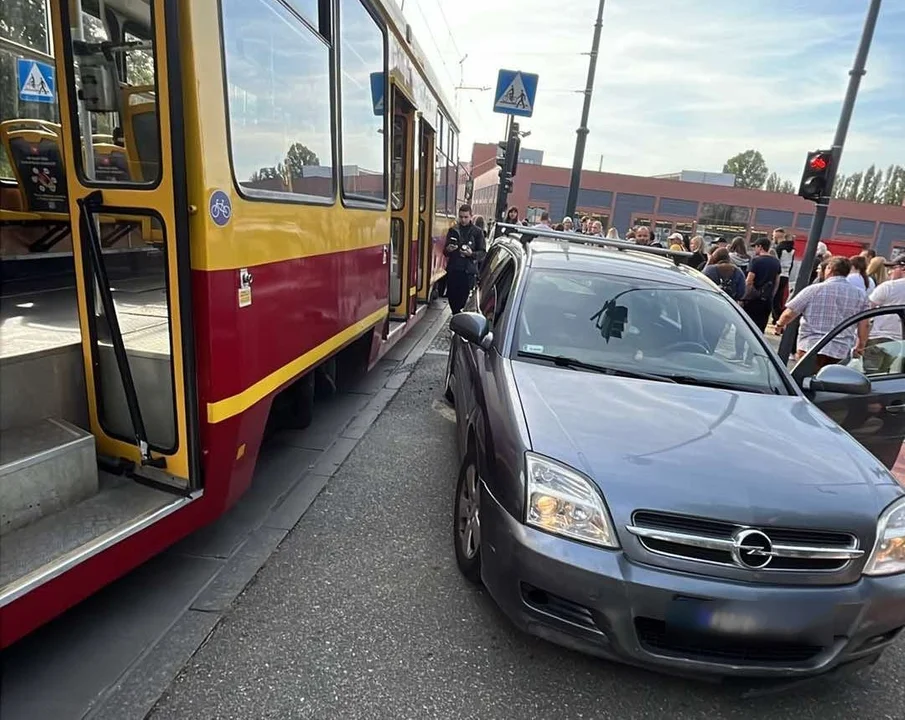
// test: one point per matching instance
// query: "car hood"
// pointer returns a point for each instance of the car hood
(742, 457)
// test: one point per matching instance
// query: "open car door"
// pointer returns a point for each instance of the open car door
(876, 418)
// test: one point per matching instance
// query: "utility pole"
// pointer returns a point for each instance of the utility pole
(806, 268)
(583, 131)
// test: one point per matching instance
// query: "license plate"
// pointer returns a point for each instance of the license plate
(778, 621)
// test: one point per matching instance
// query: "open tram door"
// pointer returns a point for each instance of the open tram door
(426, 191)
(403, 201)
(121, 105)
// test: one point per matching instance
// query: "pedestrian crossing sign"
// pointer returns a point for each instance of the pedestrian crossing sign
(36, 81)
(515, 92)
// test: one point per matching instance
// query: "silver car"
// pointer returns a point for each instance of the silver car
(643, 480)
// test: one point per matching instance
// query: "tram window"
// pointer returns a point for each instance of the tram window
(307, 9)
(440, 181)
(424, 165)
(278, 80)
(452, 176)
(400, 135)
(123, 146)
(363, 147)
(24, 23)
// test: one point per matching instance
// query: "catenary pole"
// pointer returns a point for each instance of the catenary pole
(583, 131)
(806, 267)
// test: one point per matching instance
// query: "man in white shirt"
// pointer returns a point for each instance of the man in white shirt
(544, 223)
(891, 292)
(884, 342)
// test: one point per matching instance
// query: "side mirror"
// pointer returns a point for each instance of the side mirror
(472, 327)
(838, 379)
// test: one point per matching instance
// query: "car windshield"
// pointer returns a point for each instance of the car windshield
(593, 321)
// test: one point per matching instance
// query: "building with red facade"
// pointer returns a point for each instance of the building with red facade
(667, 205)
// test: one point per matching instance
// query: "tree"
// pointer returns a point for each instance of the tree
(788, 186)
(893, 192)
(749, 168)
(268, 173)
(299, 156)
(777, 184)
(869, 185)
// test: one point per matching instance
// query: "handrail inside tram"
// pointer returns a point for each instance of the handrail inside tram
(526, 234)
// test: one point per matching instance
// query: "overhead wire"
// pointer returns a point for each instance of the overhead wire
(427, 24)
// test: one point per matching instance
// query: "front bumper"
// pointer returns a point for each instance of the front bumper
(599, 602)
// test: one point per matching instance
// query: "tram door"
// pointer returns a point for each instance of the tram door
(425, 210)
(403, 199)
(119, 95)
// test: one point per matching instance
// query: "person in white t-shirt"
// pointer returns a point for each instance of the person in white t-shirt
(891, 292)
(884, 342)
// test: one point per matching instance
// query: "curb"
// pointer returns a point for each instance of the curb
(142, 685)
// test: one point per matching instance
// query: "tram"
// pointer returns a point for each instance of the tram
(207, 207)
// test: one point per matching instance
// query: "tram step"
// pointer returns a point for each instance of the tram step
(45, 467)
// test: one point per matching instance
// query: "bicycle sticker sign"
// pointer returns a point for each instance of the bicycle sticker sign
(220, 208)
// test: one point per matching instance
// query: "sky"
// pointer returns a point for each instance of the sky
(681, 84)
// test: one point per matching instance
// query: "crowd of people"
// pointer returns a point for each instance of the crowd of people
(760, 277)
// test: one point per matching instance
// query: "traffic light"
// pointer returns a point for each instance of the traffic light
(815, 181)
(501, 153)
(513, 146)
(507, 159)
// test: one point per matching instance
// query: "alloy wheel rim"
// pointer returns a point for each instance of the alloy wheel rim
(469, 520)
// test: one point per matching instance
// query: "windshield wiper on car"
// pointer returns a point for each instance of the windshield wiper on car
(570, 362)
(721, 384)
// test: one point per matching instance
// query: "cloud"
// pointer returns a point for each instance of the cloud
(680, 84)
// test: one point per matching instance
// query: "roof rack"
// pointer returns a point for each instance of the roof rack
(526, 234)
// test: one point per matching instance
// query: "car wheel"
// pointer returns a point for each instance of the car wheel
(450, 378)
(467, 519)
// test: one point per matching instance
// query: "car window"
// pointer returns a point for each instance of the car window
(491, 263)
(496, 297)
(885, 350)
(645, 326)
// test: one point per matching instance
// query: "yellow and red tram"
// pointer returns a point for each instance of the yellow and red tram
(232, 195)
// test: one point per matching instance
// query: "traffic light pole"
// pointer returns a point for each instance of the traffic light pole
(502, 196)
(806, 267)
(583, 131)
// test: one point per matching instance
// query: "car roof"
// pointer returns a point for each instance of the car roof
(555, 255)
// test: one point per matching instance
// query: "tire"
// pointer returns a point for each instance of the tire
(450, 377)
(467, 519)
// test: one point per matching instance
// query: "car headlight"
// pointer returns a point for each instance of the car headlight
(562, 501)
(888, 556)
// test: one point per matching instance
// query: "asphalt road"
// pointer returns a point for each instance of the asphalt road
(361, 613)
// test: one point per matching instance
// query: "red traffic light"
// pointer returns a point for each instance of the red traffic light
(819, 162)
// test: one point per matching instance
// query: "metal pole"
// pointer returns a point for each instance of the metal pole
(583, 131)
(806, 267)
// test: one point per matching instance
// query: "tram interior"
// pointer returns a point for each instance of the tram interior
(55, 501)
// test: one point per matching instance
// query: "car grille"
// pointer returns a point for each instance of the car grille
(757, 549)
(656, 638)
